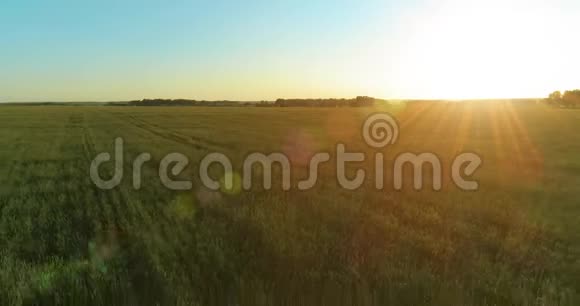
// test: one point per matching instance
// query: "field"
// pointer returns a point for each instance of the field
(515, 241)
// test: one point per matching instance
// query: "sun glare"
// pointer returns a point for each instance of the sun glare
(457, 51)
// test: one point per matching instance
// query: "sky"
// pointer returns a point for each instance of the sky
(112, 50)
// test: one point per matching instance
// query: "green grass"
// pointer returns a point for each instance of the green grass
(516, 241)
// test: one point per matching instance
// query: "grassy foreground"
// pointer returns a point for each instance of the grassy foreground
(516, 241)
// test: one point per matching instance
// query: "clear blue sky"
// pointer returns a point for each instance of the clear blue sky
(252, 50)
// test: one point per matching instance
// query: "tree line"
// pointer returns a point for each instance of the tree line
(360, 101)
(180, 102)
(570, 98)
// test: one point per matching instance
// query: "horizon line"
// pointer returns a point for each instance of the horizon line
(254, 101)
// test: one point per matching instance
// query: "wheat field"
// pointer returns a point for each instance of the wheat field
(515, 241)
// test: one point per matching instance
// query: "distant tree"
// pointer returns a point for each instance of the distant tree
(364, 101)
(571, 98)
(555, 98)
